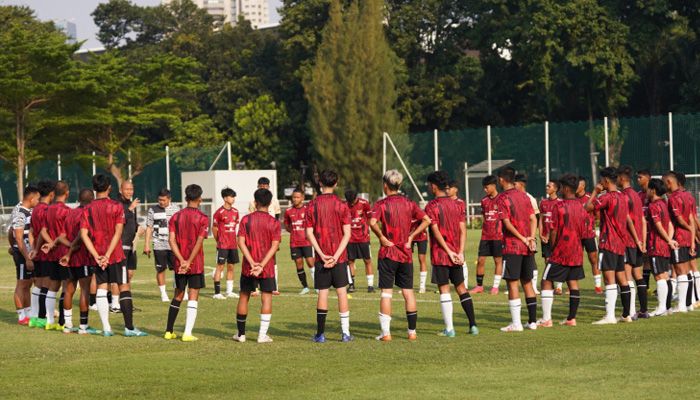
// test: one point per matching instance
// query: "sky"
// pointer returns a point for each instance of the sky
(78, 12)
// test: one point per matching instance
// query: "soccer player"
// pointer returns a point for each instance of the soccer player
(519, 244)
(567, 225)
(448, 237)
(547, 207)
(453, 193)
(100, 230)
(643, 178)
(634, 253)
(41, 267)
(131, 226)
(589, 243)
(358, 248)
(328, 229)
(491, 243)
(660, 242)
(693, 273)
(188, 229)
(299, 246)
(395, 213)
(259, 238)
(420, 242)
(224, 229)
(21, 247)
(275, 211)
(81, 268)
(521, 185)
(157, 232)
(614, 217)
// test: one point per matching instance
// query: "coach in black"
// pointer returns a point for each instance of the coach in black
(126, 192)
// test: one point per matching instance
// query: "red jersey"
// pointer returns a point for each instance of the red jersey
(517, 207)
(492, 227)
(547, 207)
(656, 245)
(396, 213)
(38, 221)
(100, 218)
(327, 215)
(613, 221)
(590, 226)
(644, 199)
(569, 220)
(259, 229)
(679, 205)
(634, 206)
(226, 222)
(81, 257)
(188, 225)
(294, 219)
(691, 202)
(55, 225)
(446, 214)
(360, 213)
(421, 237)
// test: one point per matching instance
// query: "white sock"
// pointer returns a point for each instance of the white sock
(559, 285)
(682, 293)
(661, 294)
(35, 302)
(51, 306)
(610, 300)
(68, 316)
(446, 307)
(515, 306)
(496, 281)
(423, 278)
(385, 324)
(27, 312)
(115, 301)
(187, 297)
(103, 309)
(20, 314)
(345, 322)
(191, 316)
(535, 274)
(229, 286)
(598, 279)
(633, 297)
(547, 301)
(674, 286)
(312, 271)
(370, 280)
(465, 271)
(163, 293)
(696, 281)
(264, 324)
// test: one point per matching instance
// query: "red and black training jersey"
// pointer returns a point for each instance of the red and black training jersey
(188, 225)
(100, 218)
(446, 214)
(294, 218)
(492, 227)
(680, 206)
(38, 221)
(327, 215)
(569, 220)
(644, 199)
(590, 232)
(80, 257)
(634, 205)
(259, 229)
(396, 214)
(421, 237)
(547, 207)
(517, 207)
(613, 221)
(360, 213)
(656, 245)
(55, 226)
(226, 222)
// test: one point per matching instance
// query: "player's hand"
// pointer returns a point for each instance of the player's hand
(29, 264)
(102, 262)
(134, 204)
(147, 251)
(532, 244)
(32, 254)
(459, 259)
(640, 246)
(9, 251)
(329, 262)
(408, 245)
(46, 247)
(674, 245)
(692, 250)
(386, 242)
(64, 260)
(598, 188)
(544, 239)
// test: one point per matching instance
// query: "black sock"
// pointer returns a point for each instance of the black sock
(109, 297)
(697, 295)
(691, 286)
(217, 287)
(574, 299)
(83, 317)
(172, 314)
(479, 280)
(321, 321)
(642, 295)
(127, 306)
(42, 302)
(626, 297)
(301, 274)
(468, 306)
(669, 297)
(93, 298)
(531, 309)
(240, 323)
(61, 317)
(646, 274)
(412, 317)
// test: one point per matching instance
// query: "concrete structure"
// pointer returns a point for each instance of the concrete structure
(255, 11)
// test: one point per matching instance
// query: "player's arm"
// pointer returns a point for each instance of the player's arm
(589, 204)
(693, 227)
(215, 231)
(18, 234)
(462, 237)
(633, 231)
(667, 235)
(172, 240)
(149, 233)
(513, 231)
(118, 229)
(274, 246)
(48, 243)
(85, 236)
(435, 231)
(540, 225)
(246, 252)
(374, 226)
(314, 243)
(287, 223)
(343, 242)
(425, 223)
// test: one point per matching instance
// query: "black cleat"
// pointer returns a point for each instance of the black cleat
(370, 289)
(351, 288)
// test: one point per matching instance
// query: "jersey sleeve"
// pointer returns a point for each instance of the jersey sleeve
(287, 218)
(309, 217)
(241, 227)
(345, 217)
(276, 231)
(503, 209)
(61, 221)
(19, 220)
(367, 210)
(84, 220)
(601, 202)
(655, 213)
(431, 211)
(172, 222)
(675, 206)
(149, 218)
(204, 227)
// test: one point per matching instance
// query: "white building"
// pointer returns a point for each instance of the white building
(68, 28)
(255, 11)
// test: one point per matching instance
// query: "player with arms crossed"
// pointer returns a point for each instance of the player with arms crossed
(224, 230)
(491, 243)
(299, 246)
(660, 243)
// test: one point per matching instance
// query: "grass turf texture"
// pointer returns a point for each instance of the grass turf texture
(652, 358)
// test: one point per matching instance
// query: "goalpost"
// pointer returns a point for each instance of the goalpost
(387, 139)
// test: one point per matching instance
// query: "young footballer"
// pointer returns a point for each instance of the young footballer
(275, 211)
(224, 230)
(157, 234)
(521, 185)
(589, 238)
(547, 207)
(21, 247)
(41, 266)
(453, 193)
(358, 248)
(643, 178)
(299, 246)
(660, 243)
(420, 242)
(491, 243)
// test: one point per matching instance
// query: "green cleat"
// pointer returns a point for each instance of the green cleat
(38, 323)
(446, 333)
(134, 332)
(107, 333)
(474, 330)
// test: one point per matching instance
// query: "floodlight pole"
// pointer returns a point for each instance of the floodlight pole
(435, 150)
(58, 164)
(167, 167)
(546, 150)
(488, 147)
(670, 140)
(607, 151)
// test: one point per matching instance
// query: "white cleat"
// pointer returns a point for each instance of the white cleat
(531, 326)
(93, 307)
(239, 339)
(679, 310)
(232, 295)
(625, 319)
(421, 290)
(659, 313)
(512, 328)
(264, 339)
(219, 296)
(606, 321)
(164, 299)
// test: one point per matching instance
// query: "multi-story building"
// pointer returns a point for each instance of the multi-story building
(255, 11)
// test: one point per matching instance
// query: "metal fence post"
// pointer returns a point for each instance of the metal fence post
(128, 154)
(607, 151)
(670, 140)
(228, 154)
(94, 165)
(488, 147)
(58, 165)
(435, 149)
(466, 189)
(546, 150)
(167, 167)
(384, 153)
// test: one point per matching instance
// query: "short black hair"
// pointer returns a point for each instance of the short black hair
(507, 174)
(678, 176)
(263, 181)
(557, 184)
(328, 178)
(489, 180)
(644, 172)
(164, 192)
(85, 196)
(453, 183)
(439, 178)
(657, 185)
(350, 196)
(29, 190)
(298, 190)
(569, 180)
(101, 183)
(46, 187)
(609, 173)
(263, 197)
(61, 188)
(582, 178)
(227, 192)
(625, 170)
(193, 192)
(520, 178)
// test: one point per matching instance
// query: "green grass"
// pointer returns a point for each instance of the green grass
(646, 359)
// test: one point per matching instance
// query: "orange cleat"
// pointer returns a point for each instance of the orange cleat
(412, 336)
(568, 322)
(477, 289)
(598, 290)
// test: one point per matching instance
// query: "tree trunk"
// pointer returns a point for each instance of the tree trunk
(114, 169)
(21, 155)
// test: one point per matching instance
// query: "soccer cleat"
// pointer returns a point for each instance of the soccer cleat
(219, 296)
(544, 324)
(239, 339)
(264, 339)
(535, 289)
(189, 338)
(349, 296)
(568, 322)
(275, 292)
(678, 310)
(370, 289)
(107, 333)
(69, 330)
(89, 331)
(164, 299)
(691, 307)
(421, 290)
(531, 326)
(512, 328)
(625, 319)
(351, 288)
(115, 310)
(659, 312)
(232, 295)
(387, 338)
(319, 338)
(598, 290)
(557, 291)
(170, 336)
(304, 291)
(473, 330)
(23, 321)
(93, 307)
(606, 321)
(412, 336)
(494, 290)
(446, 333)
(51, 327)
(643, 315)
(134, 332)
(477, 289)
(346, 338)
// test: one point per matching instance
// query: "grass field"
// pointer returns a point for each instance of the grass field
(647, 359)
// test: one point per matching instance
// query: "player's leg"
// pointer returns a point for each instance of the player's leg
(625, 293)
(497, 274)
(642, 292)
(467, 304)
(173, 311)
(369, 273)
(696, 282)
(547, 296)
(218, 270)
(230, 267)
(682, 283)
(387, 272)
(67, 305)
(528, 281)
(423, 272)
(52, 297)
(102, 281)
(659, 267)
(574, 300)
(404, 280)
(22, 300)
(446, 306)
(115, 306)
(321, 312)
(192, 306)
(301, 274)
(344, 311)
(480, 266)
(265, 315)
(633, 290)
(351, 269)
(160, 279)
(93, 292)
(84, 304)
(242, 313)
(312, 269)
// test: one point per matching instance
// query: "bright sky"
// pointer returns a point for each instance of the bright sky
(78, 12)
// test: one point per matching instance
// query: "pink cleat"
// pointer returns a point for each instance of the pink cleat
(494, 290)
(477, 289)
(568, 322)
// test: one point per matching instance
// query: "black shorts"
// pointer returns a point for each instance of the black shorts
(114, 273)
(301, 252)
(395, 273)
(660, 265)
(518, 267)
(490, 248)
(608, 261)
(357, 251)
(77, 273)
(42, 269)
(680, 255)
(422, 246)
(21, 266)
(229, 256)
(590, 245)
(193, 281)
(58, 272)
(444, 274)
(561, 273)
(634, 257)
(250, 283)
(130, 260)
(546, 250)
(337, 276)
(165, 259)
